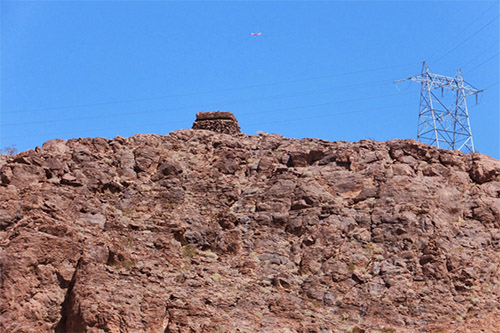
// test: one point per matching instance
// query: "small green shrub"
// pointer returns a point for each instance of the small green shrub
(189, 251)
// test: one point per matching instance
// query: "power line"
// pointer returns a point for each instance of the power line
(326, 104)
(248, 113)
(326, 115)
(478, 55)
(491, 85)
(150, 111)
(467, 27)
(467, 39)
(493, 56)
(238, 114)
(201, 93)
(295, 94)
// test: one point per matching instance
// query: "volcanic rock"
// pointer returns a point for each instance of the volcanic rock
(201, 231)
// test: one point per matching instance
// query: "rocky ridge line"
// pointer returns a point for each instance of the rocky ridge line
(203, 231)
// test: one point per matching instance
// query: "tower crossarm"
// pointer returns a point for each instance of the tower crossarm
(436, 81)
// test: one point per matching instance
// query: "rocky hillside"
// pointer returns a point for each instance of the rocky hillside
(203, 231)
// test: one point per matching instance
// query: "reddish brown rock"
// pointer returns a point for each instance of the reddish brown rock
(484, 169)
(200, 231)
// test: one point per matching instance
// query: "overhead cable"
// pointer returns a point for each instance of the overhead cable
(150, 111)
(201, 93)
(493, 56)
(467, 27)
(467, 39)
(238, 114)
(480, 54)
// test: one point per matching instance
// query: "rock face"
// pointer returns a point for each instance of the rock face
(218, 121)
(198, 231)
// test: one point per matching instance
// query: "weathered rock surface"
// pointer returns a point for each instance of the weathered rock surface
(198, 231)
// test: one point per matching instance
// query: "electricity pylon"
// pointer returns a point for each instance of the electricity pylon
(438, 124)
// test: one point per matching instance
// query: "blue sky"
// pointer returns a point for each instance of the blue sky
(320, 69)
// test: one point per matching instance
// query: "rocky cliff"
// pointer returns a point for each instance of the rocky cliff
(201, 231)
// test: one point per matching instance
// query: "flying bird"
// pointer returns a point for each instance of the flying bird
(256, 34)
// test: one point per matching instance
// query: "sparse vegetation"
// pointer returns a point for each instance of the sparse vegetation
(10, 150)
(216, 277)
(189, 251)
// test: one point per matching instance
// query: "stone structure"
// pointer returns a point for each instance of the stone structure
(217, 121)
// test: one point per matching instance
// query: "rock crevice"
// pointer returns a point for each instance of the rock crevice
(67, 322)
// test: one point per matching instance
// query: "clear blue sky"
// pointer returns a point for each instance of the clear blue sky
(320, 69)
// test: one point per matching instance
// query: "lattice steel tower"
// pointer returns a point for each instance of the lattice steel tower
(444, 121)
